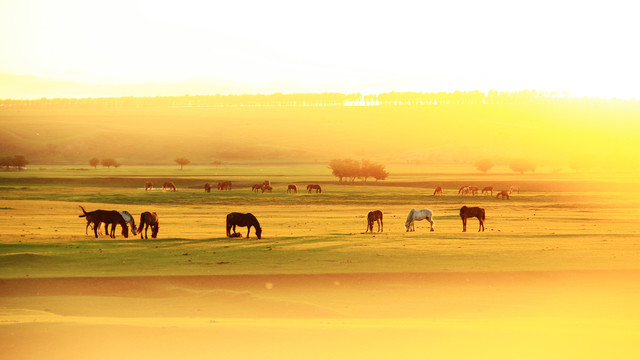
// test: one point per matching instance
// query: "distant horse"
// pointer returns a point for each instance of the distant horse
(149, 219)
(376, 216)
(266, 187)
(503, 193)
(469, 212)
(108, 217)
(473, 190)
(224, 185)
(437, 191)
(417, 215)
(463, 190)
(256, 187)
(315, 187)
(129, 220)
(148, 186)
(237, 219)
(169, 185)
(207, 187)
(488, 189)
(515, 188)
(292, 188)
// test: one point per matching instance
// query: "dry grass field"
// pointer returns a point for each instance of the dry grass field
(554, 276)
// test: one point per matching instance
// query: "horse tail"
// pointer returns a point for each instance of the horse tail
(84, 213)
(483, 215)
(141, 223)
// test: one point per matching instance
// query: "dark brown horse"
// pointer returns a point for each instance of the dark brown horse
(469, 212)
(292, 188)
(503, 193)
(437, 191)
(488, 189)
(372, 216)
(238, 219)
(207, 187)
(108, 217)
(315, 187)
(149, 219)
(169, 185)
(224, 185)
(148, 186)
(473, 190)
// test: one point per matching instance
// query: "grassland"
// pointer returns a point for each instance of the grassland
(555, 275)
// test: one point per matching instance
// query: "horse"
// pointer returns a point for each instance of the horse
(256, 187)
(469, 212)
(417, 215)
(463, 190)
(292, 188)
(372, 216)
(224, 185)
(315, 187)
(266, 187)
(149, 219)
(107, 217)
(129, 220)
(169, 185)
(473, 190)
(148, 186)
(237, 219)
(488, 189)
(437, 191)
(207, 187)
(515, 188)
(503, 193)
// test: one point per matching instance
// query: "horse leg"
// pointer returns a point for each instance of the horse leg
(464, 224)
(431, 222)
(481, 225)
(248, 230)
(95, 228)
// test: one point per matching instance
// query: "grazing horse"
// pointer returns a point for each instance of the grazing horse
(469, 212)
(207, 187)
(107, 217)
(129, 220)
(266, 187)
(463, 190)
(437, 191)
(292, 188)
(148, 186)
(487, 190)
(503, 193)
(515, 188)
(376, 216)
(417, 215)
(473, 190)
(315, 187)
(169, 185)
(256, 187)
(149, 219)
(237, 219)
(224, 185)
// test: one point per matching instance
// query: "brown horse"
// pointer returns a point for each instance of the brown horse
(256, 187)
(372, 216)
(149, 219)
(437, 191)
(108, 217)
(237, 219)
(224, 185)
(469, 212)
(266, 187)
(315, 187)
(473, 190)
(148, 186)
(487, 190)
(169, 185)
(292, 188)
(463, 190)
(503, 193)
(207, 187)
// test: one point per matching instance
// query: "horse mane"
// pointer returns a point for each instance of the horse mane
(410, 215)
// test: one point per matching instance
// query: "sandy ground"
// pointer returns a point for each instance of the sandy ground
(523, 315)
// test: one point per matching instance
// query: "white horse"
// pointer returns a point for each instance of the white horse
(514, 188)
(417, 215)
(129, 220)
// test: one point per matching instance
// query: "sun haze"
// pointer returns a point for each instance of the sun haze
(74, 48)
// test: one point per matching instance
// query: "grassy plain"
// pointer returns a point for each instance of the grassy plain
(555, 275)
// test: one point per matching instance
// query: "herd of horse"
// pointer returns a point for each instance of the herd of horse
(112, 218)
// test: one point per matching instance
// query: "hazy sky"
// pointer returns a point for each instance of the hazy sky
(586, 48)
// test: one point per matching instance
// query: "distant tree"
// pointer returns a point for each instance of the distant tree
(109, 162)
(16, 161)
(521, 165)
(345, 168)
(378, 172)
(94, 162)
(182, 162)
(216, 163)
(484, 165)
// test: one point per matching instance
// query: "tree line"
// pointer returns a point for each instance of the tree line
(17, 162)
(316, 99)
(350, 170)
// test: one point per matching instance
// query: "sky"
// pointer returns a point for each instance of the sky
(80, 48)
